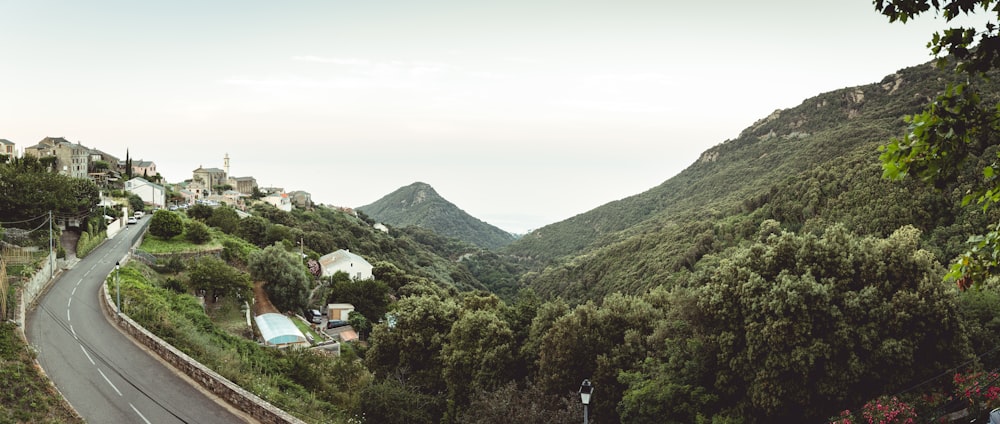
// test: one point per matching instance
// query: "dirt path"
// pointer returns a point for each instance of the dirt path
(261, 304)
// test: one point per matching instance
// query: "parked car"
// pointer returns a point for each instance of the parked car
(132, 221)
(336, 323)
(313, 316)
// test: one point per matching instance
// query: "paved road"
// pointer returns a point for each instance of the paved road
(102, 372)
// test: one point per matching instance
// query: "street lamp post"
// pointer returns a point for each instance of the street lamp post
(118, 290)
(586, 389)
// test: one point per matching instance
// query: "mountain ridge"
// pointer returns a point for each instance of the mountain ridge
(418, 204)
(806, 166)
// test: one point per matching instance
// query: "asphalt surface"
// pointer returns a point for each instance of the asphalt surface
(106, 376)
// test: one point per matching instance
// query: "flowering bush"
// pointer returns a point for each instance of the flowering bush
(889, 410)
(979, 388)
(845, 417)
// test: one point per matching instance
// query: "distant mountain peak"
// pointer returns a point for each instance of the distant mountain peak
(418, 204)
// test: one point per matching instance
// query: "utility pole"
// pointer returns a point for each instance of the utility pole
(51, 264)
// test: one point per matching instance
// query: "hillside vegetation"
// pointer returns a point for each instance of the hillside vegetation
(419, 205)
(777, 279)
(807, 167)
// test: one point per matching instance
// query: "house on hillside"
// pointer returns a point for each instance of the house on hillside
(72, 160)
(345, 261)
(301, 199)
(188, 196)
(279, 331)
(279, 200)
(144, 168)
(8, 148)
(244, 185)
(104, 169)
(152, 194)
(233, 198)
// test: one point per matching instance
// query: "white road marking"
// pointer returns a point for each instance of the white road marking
(67, 315)
(73, 330)
(88, 356)
(72, 293)
(139, 413)
(69, 303)
(109, 382)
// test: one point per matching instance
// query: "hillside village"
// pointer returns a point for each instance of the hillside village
(207, 186)
(140, 177)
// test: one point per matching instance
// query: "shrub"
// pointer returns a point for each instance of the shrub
(889, 410)
(166, 224)
(197, 233)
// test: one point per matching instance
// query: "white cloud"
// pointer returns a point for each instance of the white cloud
(333, 60)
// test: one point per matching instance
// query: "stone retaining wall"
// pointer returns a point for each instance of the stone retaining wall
(235, 395)
(34, 287)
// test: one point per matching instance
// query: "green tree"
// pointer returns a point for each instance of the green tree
(360, 324)
(391, 401)
(31, 190)
(254, 230)
(212, 274)
(277, 233)
(128, 166)
(166, 224)
(410, 349)
(513, 404)
(197, 233)
(959, 127)
(476, 357)
(200, 212)
(257, 194)
(225, 219)
(136, 203)
(369, 297)
(285, 278)
(99, 166)
(597, 342)
(797, 328)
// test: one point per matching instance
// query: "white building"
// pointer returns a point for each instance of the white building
(345, 261)
(150, 193)
(279, 200)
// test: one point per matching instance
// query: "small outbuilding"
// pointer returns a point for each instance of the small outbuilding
(279, 331)
(339, 311)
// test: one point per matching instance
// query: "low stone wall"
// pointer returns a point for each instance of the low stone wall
(243, 400)
(34, 287)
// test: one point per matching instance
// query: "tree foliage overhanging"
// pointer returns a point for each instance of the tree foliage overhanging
(955, 135)
(30, 189)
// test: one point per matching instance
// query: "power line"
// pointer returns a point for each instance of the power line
(42, 216)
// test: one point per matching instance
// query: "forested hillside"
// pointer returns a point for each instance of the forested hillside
(780, 278)
(807, 167)
(419, 205)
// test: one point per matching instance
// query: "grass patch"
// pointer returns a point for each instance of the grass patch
(306, 329)
(228, 316)
(27, 396)
(178, 244)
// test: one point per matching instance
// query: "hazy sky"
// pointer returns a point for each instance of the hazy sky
(522, 113)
